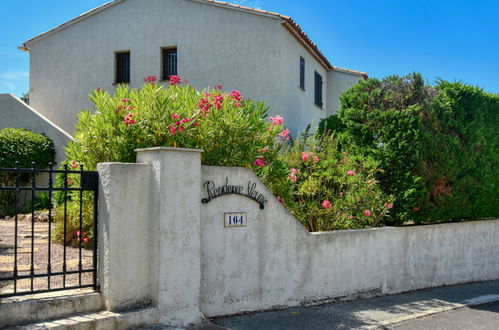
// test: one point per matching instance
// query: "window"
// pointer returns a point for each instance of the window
(318, 89)
(122, 67)
(169, 63)
(302, 73)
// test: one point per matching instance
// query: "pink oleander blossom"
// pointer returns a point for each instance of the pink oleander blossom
(285, 135)
(129, 119)
(280, 199)
(367, 213)
(174, 79)
(388, 205)
(316, 159)
(86, 239)
(351, 173)
(218, 86)
(277, 120)
(74, 164)
(173, 130)
(150, 79)
(235, 95)
(305, 156)
(184, 120)
(174, 116)
(326, 204)
(260, 162)
(350, 217)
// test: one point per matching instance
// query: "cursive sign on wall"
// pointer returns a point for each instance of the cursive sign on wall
(213, 191)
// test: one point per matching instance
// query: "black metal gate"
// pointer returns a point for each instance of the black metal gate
(48, 234)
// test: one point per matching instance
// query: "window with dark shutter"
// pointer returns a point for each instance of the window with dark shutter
(169, 63)
(302, 73)
(122, 67)
(318, 89)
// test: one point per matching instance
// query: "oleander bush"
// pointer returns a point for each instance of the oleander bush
(24, 147)
(436, 145)
(326, 187)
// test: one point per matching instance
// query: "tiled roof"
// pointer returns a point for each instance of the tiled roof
(290, 25)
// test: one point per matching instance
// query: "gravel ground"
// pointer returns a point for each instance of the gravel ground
(40, 258)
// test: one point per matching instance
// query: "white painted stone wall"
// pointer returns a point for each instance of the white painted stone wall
(14, 113)
(248, 52)
(195, 266)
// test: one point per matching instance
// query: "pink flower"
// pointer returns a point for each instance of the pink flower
(260, 162)
(150, 79)
(305, 156)
(174, 116)
(86, 240)
(326, 204)
(342, 193)
(195, 124)
(294, 171)
(292, 178)
(351, 173)
(388, 205)
(125, 100)
(175, 80)
(235, 95)
(219, 87)
(181, 129)
(237, 105)
(277, 120)
(77, 233)
(129, 119)
(69, 182)
(218, 99)
(280, 199)
(367, 213)
(316, 159)
(350, 217)
(285, 134)
(177, 123)
(185, 120)
(74, 164)
(173, 130)
(265, 149)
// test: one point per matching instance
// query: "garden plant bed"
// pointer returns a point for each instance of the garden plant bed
(40, 258)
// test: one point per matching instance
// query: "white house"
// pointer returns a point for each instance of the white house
(265, 55)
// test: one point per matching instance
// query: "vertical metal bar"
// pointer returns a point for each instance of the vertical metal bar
(65, 224)
(94, 241)
(16, 192)
(33, 186)
(49, 264)
(80, 238)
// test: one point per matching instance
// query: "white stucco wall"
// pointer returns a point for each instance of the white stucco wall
(337, 83)
(215, 45)
(14, 113)
(176, 252)
(274, 261)
(299, 105)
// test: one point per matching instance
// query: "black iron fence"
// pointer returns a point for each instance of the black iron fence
(48, 235)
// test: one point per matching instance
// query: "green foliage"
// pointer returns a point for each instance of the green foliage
(43, 202)
(436, 146)
(328, 189)
(229, 129)
(331, 124)
(25, 147)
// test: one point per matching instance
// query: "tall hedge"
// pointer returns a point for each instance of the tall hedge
(435, 145)
(25, 147)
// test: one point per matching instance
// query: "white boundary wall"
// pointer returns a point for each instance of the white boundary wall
(190, 265)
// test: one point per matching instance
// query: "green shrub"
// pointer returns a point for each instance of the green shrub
(232, 131)
(436, 146)
(328, 189)
(24, 147)
(331, 124)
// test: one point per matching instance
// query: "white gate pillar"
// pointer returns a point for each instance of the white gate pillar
(175, 232)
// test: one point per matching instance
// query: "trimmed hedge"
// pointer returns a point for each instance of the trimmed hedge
(436, 146)
(25, 147)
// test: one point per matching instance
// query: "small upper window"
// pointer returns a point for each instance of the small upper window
(122, 67)
(302, 73)
(169, 63)
(318, 89)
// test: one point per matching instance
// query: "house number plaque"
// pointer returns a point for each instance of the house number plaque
(235, 219)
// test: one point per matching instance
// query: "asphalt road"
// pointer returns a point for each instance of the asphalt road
(438, 308)
(479, 317)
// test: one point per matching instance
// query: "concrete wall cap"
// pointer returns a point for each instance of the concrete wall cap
(168, 149)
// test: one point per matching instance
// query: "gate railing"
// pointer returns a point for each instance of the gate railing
(59, 254)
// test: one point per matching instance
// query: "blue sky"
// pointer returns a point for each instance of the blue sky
(449, 39)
